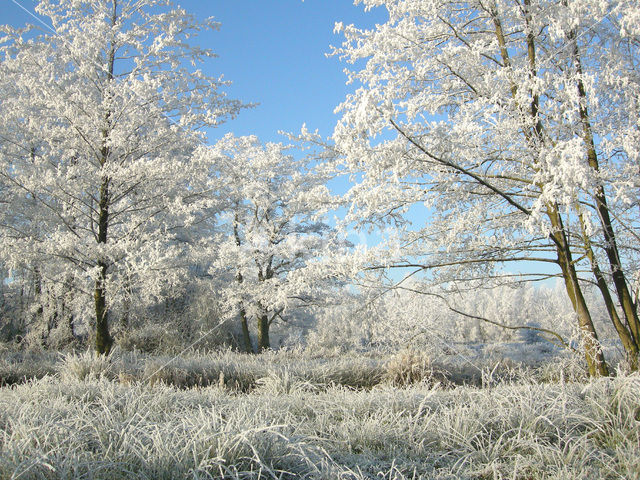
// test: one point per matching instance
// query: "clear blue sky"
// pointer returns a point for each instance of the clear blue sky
(274, 53)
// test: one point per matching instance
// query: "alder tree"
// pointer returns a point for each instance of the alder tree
(99, 118)
(272, 234)
(515, 125)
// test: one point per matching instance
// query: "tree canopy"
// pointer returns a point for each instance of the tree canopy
(515, 125)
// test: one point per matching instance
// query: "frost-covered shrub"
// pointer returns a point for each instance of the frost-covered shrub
(178, 336)
(345, 326)
(167, 373)
(360, 372)
(151, 338)
(178, 373)
(230, 370)
(244, 372)
(12, 329)
(283, 382)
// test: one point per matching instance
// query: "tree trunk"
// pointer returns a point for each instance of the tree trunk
(263, 333)
(246, 337)
(593, 352)
(534, 135)
(126, 305)
(37, 295)
(626, 337)
(104, 341)
(103, 338)
(610, 243)
(628, 342)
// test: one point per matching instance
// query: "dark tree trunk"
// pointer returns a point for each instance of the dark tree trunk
(628, 342)
(37, 294)
(263, 333)
(246, 337)
(103, 338)
(104, 341)
(593, 352)
(127, 302)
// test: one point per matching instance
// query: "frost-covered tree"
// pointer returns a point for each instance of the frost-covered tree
(273, 231)
(98, 120)
(515, 125)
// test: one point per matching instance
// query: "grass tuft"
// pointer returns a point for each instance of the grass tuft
(409, 367)
(86, 365)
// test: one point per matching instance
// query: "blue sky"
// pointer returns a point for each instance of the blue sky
(274, 53)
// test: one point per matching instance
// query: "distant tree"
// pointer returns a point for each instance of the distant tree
(272, 230)
(515, 124)
(98, 120)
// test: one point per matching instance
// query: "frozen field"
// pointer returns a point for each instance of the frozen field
(289, 415)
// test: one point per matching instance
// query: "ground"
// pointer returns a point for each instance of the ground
(301, 415)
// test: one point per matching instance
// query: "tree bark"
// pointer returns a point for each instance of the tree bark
(104, 342)
(246, 337)
(127, 302)
(263, 333)
(595, 358)
(628, 343)
(534, 135)
(103, 338)
(37, 294)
